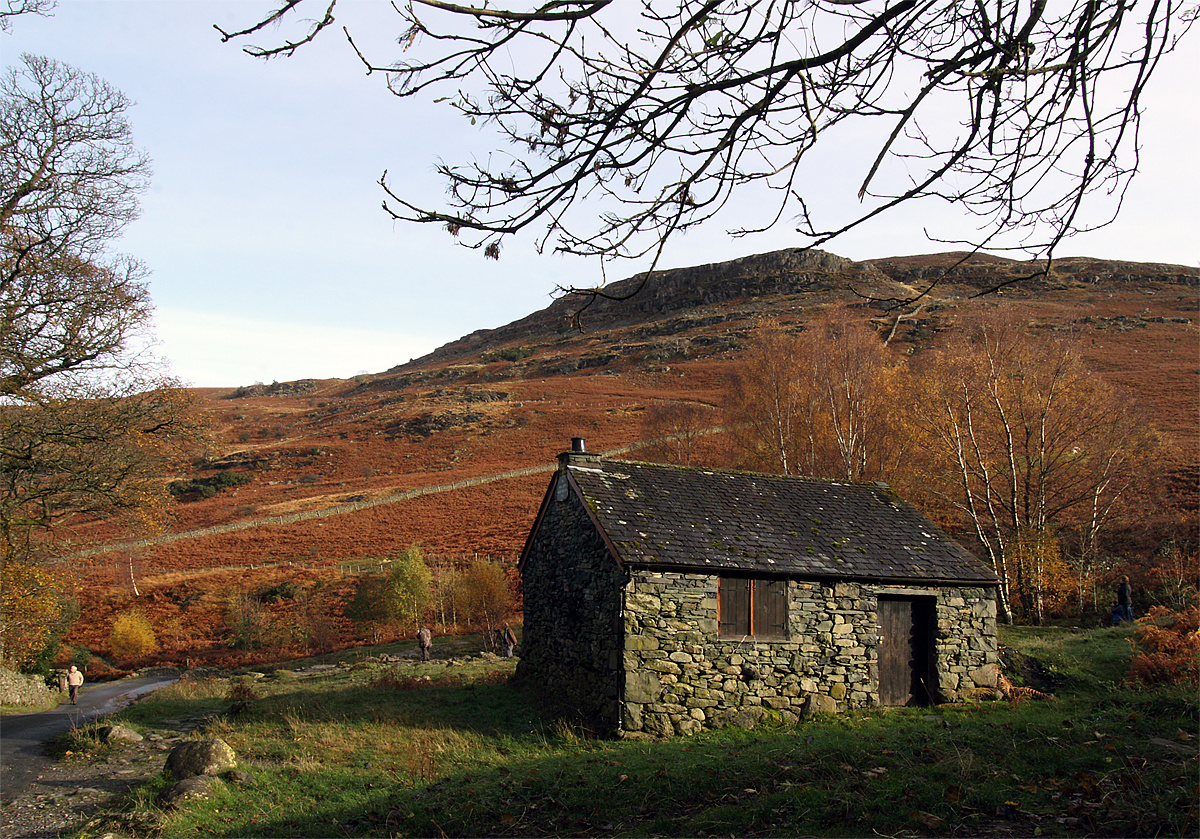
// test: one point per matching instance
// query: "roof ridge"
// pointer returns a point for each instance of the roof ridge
(750, 473)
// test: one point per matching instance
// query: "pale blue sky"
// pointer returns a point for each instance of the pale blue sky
(272, 260)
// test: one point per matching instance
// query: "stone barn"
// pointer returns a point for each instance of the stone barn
(661, 600)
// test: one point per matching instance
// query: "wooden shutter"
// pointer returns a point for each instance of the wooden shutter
(770, 609)
(734, 605)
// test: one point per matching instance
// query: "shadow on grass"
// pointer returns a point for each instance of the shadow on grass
(454, 750)
(483, 708)
(482, 760)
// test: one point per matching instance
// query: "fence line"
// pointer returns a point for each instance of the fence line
(366, 504)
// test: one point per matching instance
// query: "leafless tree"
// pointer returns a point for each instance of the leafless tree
(623, 124)
(69, 182)
(677, 429)
(10, 9)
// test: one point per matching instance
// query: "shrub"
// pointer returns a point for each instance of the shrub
(242, 689)
(246, 622)
(194, 489)
(407, 592)
(507, 354)
(286, 590)
(1168, 647)
(132, 635)
(367, 608)
(481, 595)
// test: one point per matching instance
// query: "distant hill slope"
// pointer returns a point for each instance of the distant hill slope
(819, 276)
(508, 400)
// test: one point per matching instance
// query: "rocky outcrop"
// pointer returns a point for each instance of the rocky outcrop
(814, 273)
(641, 298)
(982, 271)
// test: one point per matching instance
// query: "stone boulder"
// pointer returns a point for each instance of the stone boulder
(118, 734)
(746, 717)
(200, 757)
(189, 789)
(819, 703)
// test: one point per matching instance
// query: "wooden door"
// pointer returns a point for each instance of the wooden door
(907, 658)
(895, 651)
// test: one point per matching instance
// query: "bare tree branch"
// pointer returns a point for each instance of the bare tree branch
(620, 126)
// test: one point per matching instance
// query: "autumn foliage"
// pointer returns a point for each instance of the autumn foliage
(1026, 455)
(1168, 647)
(31, 606)
(818, 403)
(132, 636)
(481, 595)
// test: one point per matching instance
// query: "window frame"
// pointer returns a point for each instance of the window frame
(753, 596)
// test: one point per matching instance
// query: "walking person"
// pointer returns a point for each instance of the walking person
(509, 639)
(1125, 599)
(74, 682)
(425, 641)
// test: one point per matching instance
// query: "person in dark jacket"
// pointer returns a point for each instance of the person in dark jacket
(1125, 599)
(509, 639)
(425, 640)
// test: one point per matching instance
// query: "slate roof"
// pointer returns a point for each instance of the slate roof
(697, 519)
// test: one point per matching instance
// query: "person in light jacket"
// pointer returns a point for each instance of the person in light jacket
(74, 682)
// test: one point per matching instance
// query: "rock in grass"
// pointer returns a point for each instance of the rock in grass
(118, 734)
(189, 789)
(200, 757)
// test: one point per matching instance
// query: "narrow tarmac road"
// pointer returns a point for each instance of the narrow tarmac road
(23, 736)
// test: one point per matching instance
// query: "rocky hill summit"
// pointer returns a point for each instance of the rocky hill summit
(643, 298)
(763, 281)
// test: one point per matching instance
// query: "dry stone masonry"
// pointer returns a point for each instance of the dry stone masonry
(681, 677)
(622, 576)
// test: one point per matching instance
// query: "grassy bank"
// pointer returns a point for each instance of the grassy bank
(426, 750)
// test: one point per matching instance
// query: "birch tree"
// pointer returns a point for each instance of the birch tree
(1028, 442)
(818, 403)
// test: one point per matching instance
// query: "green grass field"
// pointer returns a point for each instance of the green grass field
(373, 751)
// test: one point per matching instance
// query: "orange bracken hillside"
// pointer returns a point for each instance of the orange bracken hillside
(510, 399)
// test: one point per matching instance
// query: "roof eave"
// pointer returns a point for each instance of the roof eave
(803, 575)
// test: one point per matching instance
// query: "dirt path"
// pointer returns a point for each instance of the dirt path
(356, 506)
(23, 737)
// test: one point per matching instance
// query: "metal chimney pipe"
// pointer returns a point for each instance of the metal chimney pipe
(578, 445)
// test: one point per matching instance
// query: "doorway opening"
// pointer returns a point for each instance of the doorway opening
(907, 629)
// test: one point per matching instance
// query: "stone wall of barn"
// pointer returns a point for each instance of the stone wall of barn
(680, 677)
(571, 635)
